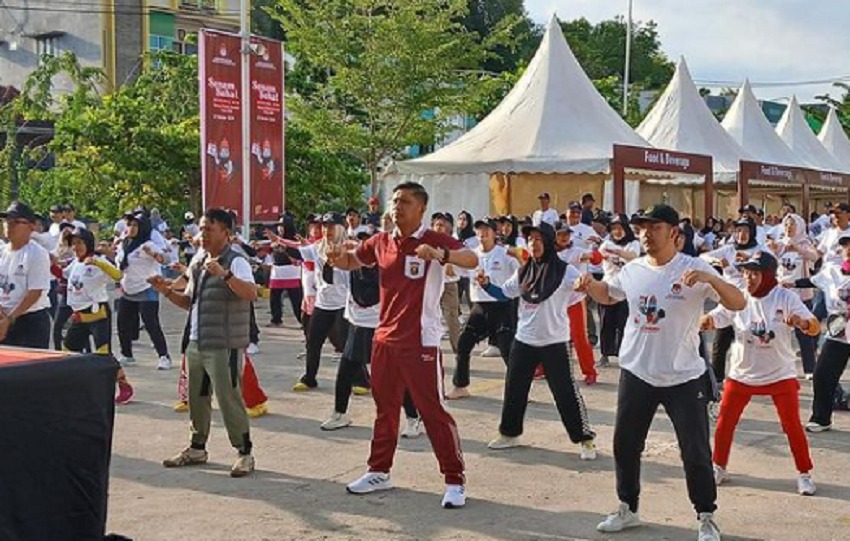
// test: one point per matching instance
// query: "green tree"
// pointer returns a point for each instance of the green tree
(384, 63)
(490, 18)
(841, 104)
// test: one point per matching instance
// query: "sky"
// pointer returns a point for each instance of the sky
(767, 41)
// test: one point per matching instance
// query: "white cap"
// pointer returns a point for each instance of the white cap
(189, 215)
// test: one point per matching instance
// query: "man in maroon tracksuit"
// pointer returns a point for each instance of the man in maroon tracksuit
(406, 349)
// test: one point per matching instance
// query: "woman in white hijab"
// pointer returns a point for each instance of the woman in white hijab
(795, 254)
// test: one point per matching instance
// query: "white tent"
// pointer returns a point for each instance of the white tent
(552, 121)
(798, 135)
(835, 139)
(746, 123)
(681, 120)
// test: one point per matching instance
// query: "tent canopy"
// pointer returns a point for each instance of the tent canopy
(795, 131)
(747, 125)
(835, 139)
(552, 121)
(681, 120)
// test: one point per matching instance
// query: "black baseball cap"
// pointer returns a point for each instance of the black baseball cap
(574, 205)
(844, 238)
(562, 226)
(19, 211)
(485, 221)
(57, 208)
(841, 207)
(747, 208)
(506, 218)
(333, 218)
(659, 213)
(759, 261)
(618, 219)
(744, 222)
(447, 216)
(352, 210)
(601, 217)
(544, 195)
(588, 197)
(313, 218)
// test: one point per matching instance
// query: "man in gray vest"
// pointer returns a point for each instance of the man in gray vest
(218, 296)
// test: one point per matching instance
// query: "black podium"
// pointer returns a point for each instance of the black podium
(56, 420)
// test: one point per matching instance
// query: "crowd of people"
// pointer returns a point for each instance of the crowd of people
(386, 289)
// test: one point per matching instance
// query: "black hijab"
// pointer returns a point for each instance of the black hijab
(287, 256)
(628, 233)
(130, 245)
(752, 242)
(469, 230)
(688, 248)
(540, 278)
(511, 239)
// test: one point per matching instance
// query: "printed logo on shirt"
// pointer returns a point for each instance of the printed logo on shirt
(760, 332)
(414, 268)
(648, 307)
(789, 263)
(780, 314)
(5, 285)
(20, 270)
(676, 292)
(428, 357)
(76, 285)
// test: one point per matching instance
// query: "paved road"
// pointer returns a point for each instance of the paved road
(541, 491)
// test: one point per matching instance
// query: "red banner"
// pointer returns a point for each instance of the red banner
(220, 74)
(267, 128)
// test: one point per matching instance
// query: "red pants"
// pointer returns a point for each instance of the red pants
(578, 335)
(786, 398)
(252, 393)
(419, 371)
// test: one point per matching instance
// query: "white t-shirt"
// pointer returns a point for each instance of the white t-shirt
(86, 285)
(362, 228)
(611, 262)
(829, 246)
(661, 340)
(498, 265)
(836, 293)
(118, 229)
(544, 323)
(22, 271)
(328, 296)
(761, 234)
(241, 269)
(582, 233)
(550, 216)
(360, 316)
(764, 346)
(140, 267)
(573, 255)
(792, 266)
(728, 253)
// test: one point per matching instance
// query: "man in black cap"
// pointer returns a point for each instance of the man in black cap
(71, 217)
(354, 224)
(24, 282)
(544, 213)
(660, 363)
(587, 203)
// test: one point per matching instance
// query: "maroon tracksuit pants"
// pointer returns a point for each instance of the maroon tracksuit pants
(420, 371)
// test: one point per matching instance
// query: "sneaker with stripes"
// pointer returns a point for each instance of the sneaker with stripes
(370, 482)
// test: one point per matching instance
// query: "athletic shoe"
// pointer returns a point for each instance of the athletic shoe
(814, 427)
(126, 361)
(491, 351)
(603, 362)
(590, 379)
(252, 349)
(539, 373)
(454, 497)
(274, 325)
(805, 485)
(336, 421)
(257, 411)
(708, 530)
(243, 466)
(125, 393)
(504, 442)
(301, 355)
(180, 406)
(187, 457)
(720, 475)
(301, 387)
(359, 390)
(809, 376)
(370, 482)
(164, 363)
(412, 428)
(588, 450)
(457, 393)
(622, 519)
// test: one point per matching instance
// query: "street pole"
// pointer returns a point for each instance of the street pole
(245, 33)
(628, 62)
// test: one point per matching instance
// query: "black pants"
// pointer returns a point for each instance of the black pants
(612, 319)
(556, 361)
(686, 405)
(254, 329)
(463, 291)
(295, 295)
(30, 331)
(723, 339)
(322, 324)
(485, 319)
(62, 314)
(352, 366)
(409, 407)
(77, 337)
(808, 346)
(830, 365)
(128, 325)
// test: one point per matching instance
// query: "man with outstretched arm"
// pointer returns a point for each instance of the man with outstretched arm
(406, 349)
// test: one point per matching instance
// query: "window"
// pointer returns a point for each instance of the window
(207, 5)
(161, 43)
(47, 45)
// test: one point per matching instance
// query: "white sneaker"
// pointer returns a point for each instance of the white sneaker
(720, 475)
(252, 349)
(126, 361)
(814, 427)
(620, 520)
(491, 351)
(708, 530)
(457, 393)
(301, 355)
(603, 362)
(588, 450)
(504, 442)
(370, 482)
(805, 485)
(164, 363)
(336, 421)
(412, 428)
(454, 497)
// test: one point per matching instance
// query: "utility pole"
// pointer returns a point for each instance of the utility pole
(245, 33)
(628, 61)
